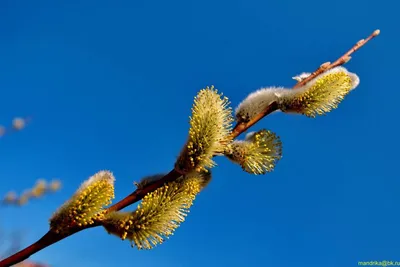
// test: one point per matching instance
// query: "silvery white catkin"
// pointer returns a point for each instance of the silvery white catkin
(355, 79)
(256, 102)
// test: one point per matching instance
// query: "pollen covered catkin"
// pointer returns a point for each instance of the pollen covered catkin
(86, 205)
(258, 153)
(159, 214)
(320, 95)
(209, 132)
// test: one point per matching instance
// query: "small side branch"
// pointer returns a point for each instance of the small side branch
(341, 61)
(244, 126)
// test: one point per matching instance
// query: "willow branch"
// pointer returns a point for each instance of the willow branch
(46, 240)
(138, 194)
(340, 61)
(51, 237)
(244, 126)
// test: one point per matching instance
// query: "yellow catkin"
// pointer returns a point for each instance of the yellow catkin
(86, 205)
(320, 95)
(159, 214)
(257, 154)
(209, 131)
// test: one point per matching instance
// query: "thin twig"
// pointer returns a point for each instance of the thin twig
(50, 237)
(342, 60)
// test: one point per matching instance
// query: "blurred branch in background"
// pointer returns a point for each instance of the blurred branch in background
(15, 243)
(40, 189)
(17, 124)
(30, 264)
(11, 243)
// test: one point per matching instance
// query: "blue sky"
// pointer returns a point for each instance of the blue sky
(110, 86)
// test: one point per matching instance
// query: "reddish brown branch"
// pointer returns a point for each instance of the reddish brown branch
(342, 60)
(242, 127)
(140, 193)
(51, 238)
(48, 239)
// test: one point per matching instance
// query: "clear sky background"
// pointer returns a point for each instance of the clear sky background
(110, 85)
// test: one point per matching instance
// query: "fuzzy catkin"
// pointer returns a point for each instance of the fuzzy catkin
(320, 95)
(256, 103)
(209, 132)
(258, 153)
(159, 214)
(86, 205)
